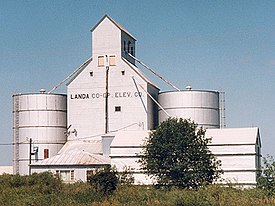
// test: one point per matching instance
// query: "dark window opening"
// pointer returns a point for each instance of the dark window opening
(124, 46)
(117, 108)
(132, 50)
(123, 72)
(129, 44)
(46, 153)
(91, 74)
(72, 174)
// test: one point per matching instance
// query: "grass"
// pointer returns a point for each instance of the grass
(45, 189)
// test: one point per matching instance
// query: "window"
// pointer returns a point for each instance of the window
(91, 74)
(132, 50)
(66, 175)
(128, 49)
(72, 175)
(123, 72)
(118, 109)
(46, 153)
(112, 60)
(89, 173)
(124, 46)
(101, 61)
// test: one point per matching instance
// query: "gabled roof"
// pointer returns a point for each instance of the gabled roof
(139, 72)
(80, 69)
(76, 158)
(115, 23)
(231, 136)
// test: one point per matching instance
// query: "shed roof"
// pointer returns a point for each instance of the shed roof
(90, 146)
(231, 136)
(129, 138)
(78, 152)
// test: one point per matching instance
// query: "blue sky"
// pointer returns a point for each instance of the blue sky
(213, 45)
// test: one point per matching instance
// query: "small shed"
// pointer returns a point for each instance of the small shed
(75, 161)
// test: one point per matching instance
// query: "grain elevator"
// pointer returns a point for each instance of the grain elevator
(108, 112)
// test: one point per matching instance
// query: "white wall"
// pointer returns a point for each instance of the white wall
(87, 94)
(106, 39)
(80, 174)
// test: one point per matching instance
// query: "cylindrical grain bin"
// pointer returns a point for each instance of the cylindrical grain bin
(199, 105)
(42, 118)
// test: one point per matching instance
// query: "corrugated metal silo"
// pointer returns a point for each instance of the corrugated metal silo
(43, 118)
(201, 106)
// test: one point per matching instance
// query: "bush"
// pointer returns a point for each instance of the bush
(126, 177)
(26, 191)
(45, 181)
(104, 180)
(266, 181)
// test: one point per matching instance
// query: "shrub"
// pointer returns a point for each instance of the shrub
(104, 180)
(266, 181)
(126, 176)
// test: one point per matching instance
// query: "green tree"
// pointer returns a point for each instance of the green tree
(176, 154)
(267, 179)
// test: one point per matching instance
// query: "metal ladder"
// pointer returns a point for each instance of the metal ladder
(16, 133)
(222, 109)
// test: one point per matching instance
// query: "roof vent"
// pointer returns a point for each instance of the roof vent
(188, 88)
(42, 91)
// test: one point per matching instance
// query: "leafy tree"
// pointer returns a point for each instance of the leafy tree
(267, 179)
(176, 154)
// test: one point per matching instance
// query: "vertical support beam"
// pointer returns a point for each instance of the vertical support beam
(30, 156)
(106, 99)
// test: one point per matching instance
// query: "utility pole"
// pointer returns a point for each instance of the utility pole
(106, 99)
(30, 156)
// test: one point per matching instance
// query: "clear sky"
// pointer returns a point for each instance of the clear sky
(212, 45)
